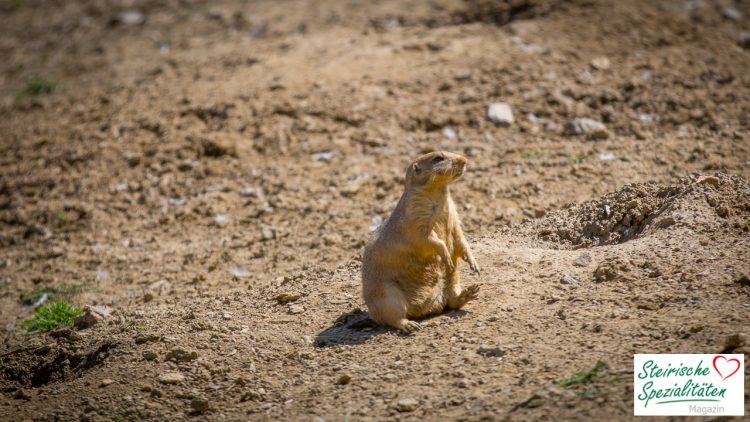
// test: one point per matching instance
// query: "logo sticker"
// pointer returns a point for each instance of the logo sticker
(689, 385)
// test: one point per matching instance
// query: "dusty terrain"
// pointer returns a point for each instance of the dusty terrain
(212, 170)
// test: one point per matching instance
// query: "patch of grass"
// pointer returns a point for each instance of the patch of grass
(61, 219)
(51, 316)
(37, 85)
(580, 378)
(581, 158)
(532, 155)
(10, 4)
(31, 297)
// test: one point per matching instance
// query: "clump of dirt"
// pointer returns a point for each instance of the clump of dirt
(635, 210)
(37, 366)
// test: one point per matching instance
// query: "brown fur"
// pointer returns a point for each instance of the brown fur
(410, 267)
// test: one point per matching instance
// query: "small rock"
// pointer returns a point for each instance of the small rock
(91, 316)
(665, 222)
(148, 297)
(160, 287)
(500, 114)
(610, 270)
(343, 380)
(66, 333)
(284, 298)
(145, 338)
(647, 306)
(711, 180)
(354, 185)
(734, 341)
(591, 128)
(331, 239)
(21, 394)
(743, 280)
(323, 156)
(600, 63)
(253, 395)
(226, 316)
(181, 355)
(296, 309)
(607, 156)
(215, 148)
(149, 355)
(449, 133)
(248, 191)
(407, 405)
(36, 230)
(222, 219)
(238, 271)
(106, 381)
(129, 18)
(743, 39)
(583, 260)
(171, 378)
(199, 405)
(490, 351)
(732, 14)
(268, 233)
(462, 75)
(568, 279)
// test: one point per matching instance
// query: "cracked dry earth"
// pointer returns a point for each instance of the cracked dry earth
(210, 171)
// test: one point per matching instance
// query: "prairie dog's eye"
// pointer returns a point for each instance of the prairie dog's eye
(438, 159)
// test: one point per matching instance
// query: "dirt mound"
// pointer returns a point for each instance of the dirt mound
(35, 366)
(635, 210)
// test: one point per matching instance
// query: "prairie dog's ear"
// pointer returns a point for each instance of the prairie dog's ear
(415, 167)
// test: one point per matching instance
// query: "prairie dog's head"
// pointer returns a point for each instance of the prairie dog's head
(437, 168)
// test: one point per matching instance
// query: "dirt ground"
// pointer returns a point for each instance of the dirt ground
(211, 171)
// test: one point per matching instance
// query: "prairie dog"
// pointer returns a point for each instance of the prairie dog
(410, 266)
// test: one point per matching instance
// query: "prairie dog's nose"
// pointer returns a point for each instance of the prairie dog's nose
(460, 160)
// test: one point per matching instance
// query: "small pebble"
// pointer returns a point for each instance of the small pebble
(600, 63)
(500, 114)
(171, 378)
(490, 351)
(199, 405)
(589, 127)
(407, 405)
(568, 279)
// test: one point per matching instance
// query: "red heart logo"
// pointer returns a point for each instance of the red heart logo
(726, 362)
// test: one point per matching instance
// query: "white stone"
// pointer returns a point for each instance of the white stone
(500, 114)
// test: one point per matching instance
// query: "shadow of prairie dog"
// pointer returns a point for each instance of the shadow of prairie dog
(410, 266)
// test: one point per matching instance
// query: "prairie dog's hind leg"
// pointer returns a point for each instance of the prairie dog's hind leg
(387, 306)
(458, 297)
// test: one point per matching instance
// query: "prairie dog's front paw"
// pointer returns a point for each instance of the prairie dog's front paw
(473, 265)
(449, 265)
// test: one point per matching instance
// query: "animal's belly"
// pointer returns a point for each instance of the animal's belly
(422, 283)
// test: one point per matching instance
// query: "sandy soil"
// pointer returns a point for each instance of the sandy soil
(212, 172)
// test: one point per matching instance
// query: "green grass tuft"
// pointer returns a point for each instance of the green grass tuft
(51, 316)
(532, 155)
(580, 378)
(37, 86)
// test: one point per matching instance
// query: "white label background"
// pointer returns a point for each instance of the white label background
(732, 402)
